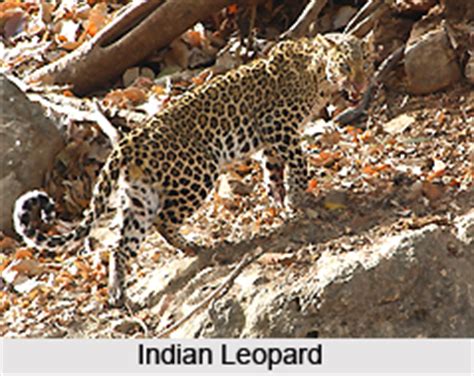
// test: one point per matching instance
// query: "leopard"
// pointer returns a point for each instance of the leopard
(160, 173)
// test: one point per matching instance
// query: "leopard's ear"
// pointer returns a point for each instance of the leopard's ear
(368, 44)
(327, 42)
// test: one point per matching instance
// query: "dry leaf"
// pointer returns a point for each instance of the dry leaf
(4, 264)
(312, 185)
(201, 78)
(7, 5)
(98, 18)
(273, 258)
(134, 95)
(194, 38)
(325, 158)
(367, 136)
(232, 9)
(438, 170)
(272, 211)
(68, 93)
(158, 89)
(4, 302)
(440, 117)
(350, 129)
(68, 31)
(454, 183)
(28, 267)
(374, 170)
(331, 138)
(23, 253)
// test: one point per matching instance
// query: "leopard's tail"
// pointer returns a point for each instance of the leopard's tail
(34, 237)
(39, 201)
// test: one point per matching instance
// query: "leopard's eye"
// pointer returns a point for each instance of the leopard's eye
(345, 68)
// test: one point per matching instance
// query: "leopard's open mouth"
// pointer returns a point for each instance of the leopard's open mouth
(352, 96)
(353, 91)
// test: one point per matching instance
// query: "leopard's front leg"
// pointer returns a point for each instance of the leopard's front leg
(286, 171)
(273, 176)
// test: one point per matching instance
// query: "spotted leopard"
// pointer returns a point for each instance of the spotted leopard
(162, 172)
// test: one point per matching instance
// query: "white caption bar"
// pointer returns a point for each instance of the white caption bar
(338, 356)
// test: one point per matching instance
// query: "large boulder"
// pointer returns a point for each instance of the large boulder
(417, 283)
(431, 63)
(28, 143)
(469, 70)
(413, 6)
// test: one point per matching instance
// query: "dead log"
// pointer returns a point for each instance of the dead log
(365, 20)
(130, 38)
(363, 13)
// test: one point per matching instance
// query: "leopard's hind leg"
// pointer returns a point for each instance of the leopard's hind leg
(138, 206)
(183, 193)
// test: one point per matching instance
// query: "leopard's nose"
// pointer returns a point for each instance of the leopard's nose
(360, 81)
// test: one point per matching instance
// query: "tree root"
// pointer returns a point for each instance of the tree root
(126, 41)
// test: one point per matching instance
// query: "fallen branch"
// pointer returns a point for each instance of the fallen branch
(364, 26)
(360, 17)
(126, 41)
(217, 293)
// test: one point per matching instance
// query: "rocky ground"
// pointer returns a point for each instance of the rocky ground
(385, 249)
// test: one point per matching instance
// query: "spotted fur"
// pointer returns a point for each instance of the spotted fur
(163, 171)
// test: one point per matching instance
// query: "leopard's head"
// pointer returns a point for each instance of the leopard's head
(348, 62)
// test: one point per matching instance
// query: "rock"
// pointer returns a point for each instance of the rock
(130, 75)
(148, 73)
(138, 76)
(417, 283)
(469, 70)
(199, 58)
(127, 326)
(28, 143)
(456, 10)
(389, 34)
(343, 16)
(430, 63)
(413, 6)
(399, 124)
(465, 228)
